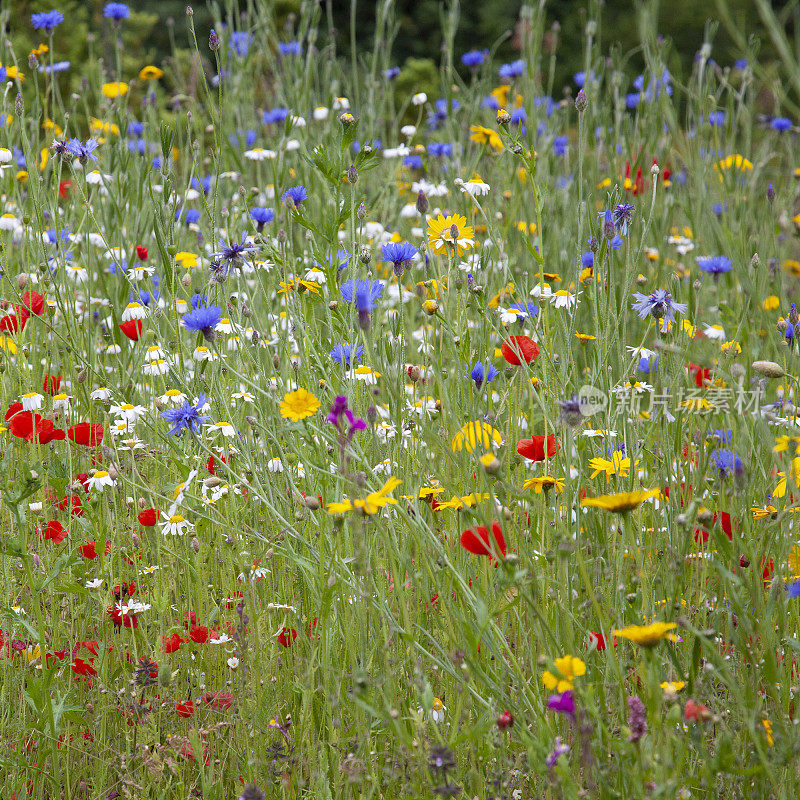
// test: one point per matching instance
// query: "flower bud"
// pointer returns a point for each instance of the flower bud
(22, 280)
(503, 117)
(352, 175)
(362, 212)
(768, 369)
(581, 103)
(195, 544)
(213, 40)
(755, 261)
(422, 203)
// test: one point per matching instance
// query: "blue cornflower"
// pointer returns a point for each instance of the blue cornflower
(658, 304)
(391, 73)
(187, 417)
(719, 209)
(518, 116)
(290, 48)
(482, 372)
(648, 365)
(231, 254)
(440, 150)
(715, 265)
(725, 436)
(116, 11)
(474, 58)
(56, 66)
(239, 42)
(780, 124)
(793, 589)
(274, 115)
(295, 194)
(529, 310)
(198, 300)
(135, 128)
(202, 184)
(512, 70)
(338, 262)
(261, 216)
(203, 320)
(190, 216)
(47, 21)
(83, 152)
(621, 216)
(587, 260)
(362, 293)
(716, 118)
(344, 353)
(413, 162)
(398, 253)
(580, 78)
(490, 102)
(740, 63)
(727, 462)
(560, 145)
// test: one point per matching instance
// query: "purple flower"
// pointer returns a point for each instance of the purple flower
(345, 421)
(187, 417)
(658, 304)
(715, 265)
(203, 320)
(563, 703)
(398, 252)
(559, 750)
(793, 589)
(295, 194)
(83, 152)
(116, 11)
(637, 719)
(49, 20)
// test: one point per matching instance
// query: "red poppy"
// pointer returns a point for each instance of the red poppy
(81, 667)
(61, 655)
(72, 504)
(55, 532)
(533, 448)
(52, 383)
(695, 712)
(13, 409)
(287, 636)
(517, 349)
(141, 252)
(187, 751)
(33, 303)
(219, 701)
(89, 434)
(185, 709)
(172, 643)
(189, 618)
(64, 188)
(148, 517)
(597, 640)
(11, 323)
(212, 464)
(122, 620)
(89, 550)
(30, 427)
(199, 634)
(91, 645)
(699, 374)
(476, 540)
(132, 329)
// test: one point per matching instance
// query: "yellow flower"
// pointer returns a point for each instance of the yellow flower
(570, 668)
(298, 405)
(501, 94)
(618, 465)
(468, 501)
(584, 338)
(44, 157)
(371, 504)
(762, 513)
(475, 434)
(98, 126)
(22, 175)
(768, 730)
(187, 260)
(733, 162)
(672, 686)
(446, 234)
(115, 89)
(13, 72)
(544, 483)
(40, 50)
(150, 73)
(7, 343)
(772, 303)
(648, 635)
(49, 125)
(621, 502)
(488, 136)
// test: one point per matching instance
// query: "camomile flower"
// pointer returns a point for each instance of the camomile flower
(175, 525)
(94, 583)
(243, 396)
(153, 353)
(274, 465)
(202, 353)
(565, 299)
(129, 445)
(134, 311)
(99, 481)
(224, 326)
(260, 154)
(32, 401)
(437, 710)
(128, 411)
(121, 427)
(474, 187)
(76, 272)
(508, 316)
(542, 291)
(714, 332)
(158, 367)
(140, 272)
(225, 428)
(173, 396)
(320, 113)
(101, 393)
(61, 401)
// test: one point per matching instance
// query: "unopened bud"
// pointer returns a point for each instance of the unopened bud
(213, 40)
(195, 544)
(362, 212)
(365, 255)
(352, 175)
(581, 103)
(164, 675)
(22, 280)
(768, 369)
(430, 307)
(503, 117)
(422, 203)
(347, 119)
(189, 11)
(755, 261)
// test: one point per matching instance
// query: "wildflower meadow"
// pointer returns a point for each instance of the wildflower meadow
(363, 442)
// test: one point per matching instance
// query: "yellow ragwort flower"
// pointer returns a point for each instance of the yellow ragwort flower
(298, 405)
(648, 635)
(621, 502)
(570, 668)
